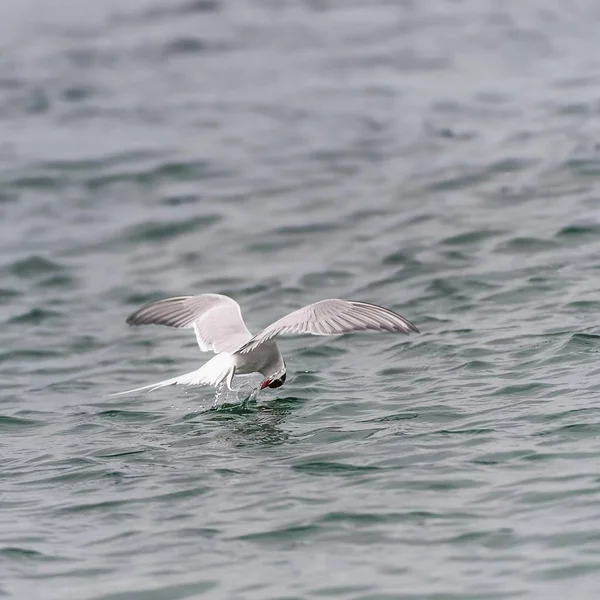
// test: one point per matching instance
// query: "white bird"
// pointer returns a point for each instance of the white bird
(219, 327)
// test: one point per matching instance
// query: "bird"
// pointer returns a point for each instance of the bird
(219, 327)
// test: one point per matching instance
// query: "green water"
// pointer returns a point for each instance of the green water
(438, 158)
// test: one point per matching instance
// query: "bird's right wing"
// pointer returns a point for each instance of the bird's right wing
(216, 319)
(333, 317)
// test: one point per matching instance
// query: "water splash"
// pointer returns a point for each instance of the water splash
(220, 395)
(244, 393)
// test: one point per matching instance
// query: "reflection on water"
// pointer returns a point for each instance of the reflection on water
(248, 422)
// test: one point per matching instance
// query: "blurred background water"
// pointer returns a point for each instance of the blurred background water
(441, 158)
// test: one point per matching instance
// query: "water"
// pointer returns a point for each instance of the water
(440, 158)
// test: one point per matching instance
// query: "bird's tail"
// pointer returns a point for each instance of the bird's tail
(218, 369)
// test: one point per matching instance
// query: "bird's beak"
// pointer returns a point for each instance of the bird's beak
(265, 384)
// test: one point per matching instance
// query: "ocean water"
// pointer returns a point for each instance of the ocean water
(441, 158)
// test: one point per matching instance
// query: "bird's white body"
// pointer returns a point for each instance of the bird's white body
(222, 367)
(219, 327)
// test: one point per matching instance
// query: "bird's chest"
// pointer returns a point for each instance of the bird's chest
(258, 359)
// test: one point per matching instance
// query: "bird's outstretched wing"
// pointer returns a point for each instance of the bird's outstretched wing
(333, 317)
(216, 319)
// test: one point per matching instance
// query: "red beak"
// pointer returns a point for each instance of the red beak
(265, 384)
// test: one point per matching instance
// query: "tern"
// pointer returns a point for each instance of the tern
(219, 327)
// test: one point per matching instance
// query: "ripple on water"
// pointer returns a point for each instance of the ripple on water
(7, 295)
(127, 415)
(471, 237)
(526, 245)
(34, 266)
(589, 342)
(184, 8)
(11, 423)
(162, 231)
(27, 355)
(35, 316)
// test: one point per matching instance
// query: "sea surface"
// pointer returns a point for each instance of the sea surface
(441, 158)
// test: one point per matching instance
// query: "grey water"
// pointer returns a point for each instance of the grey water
(440, 158)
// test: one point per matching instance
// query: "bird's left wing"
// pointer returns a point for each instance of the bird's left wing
(216, 319)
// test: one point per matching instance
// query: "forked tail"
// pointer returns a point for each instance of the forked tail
(218, 369)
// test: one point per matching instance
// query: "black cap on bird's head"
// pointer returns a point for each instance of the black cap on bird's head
(274, 382)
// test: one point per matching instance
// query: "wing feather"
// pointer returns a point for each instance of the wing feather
(333, 317)
(216, 319)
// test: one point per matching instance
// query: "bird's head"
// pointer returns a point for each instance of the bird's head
(274, 381)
